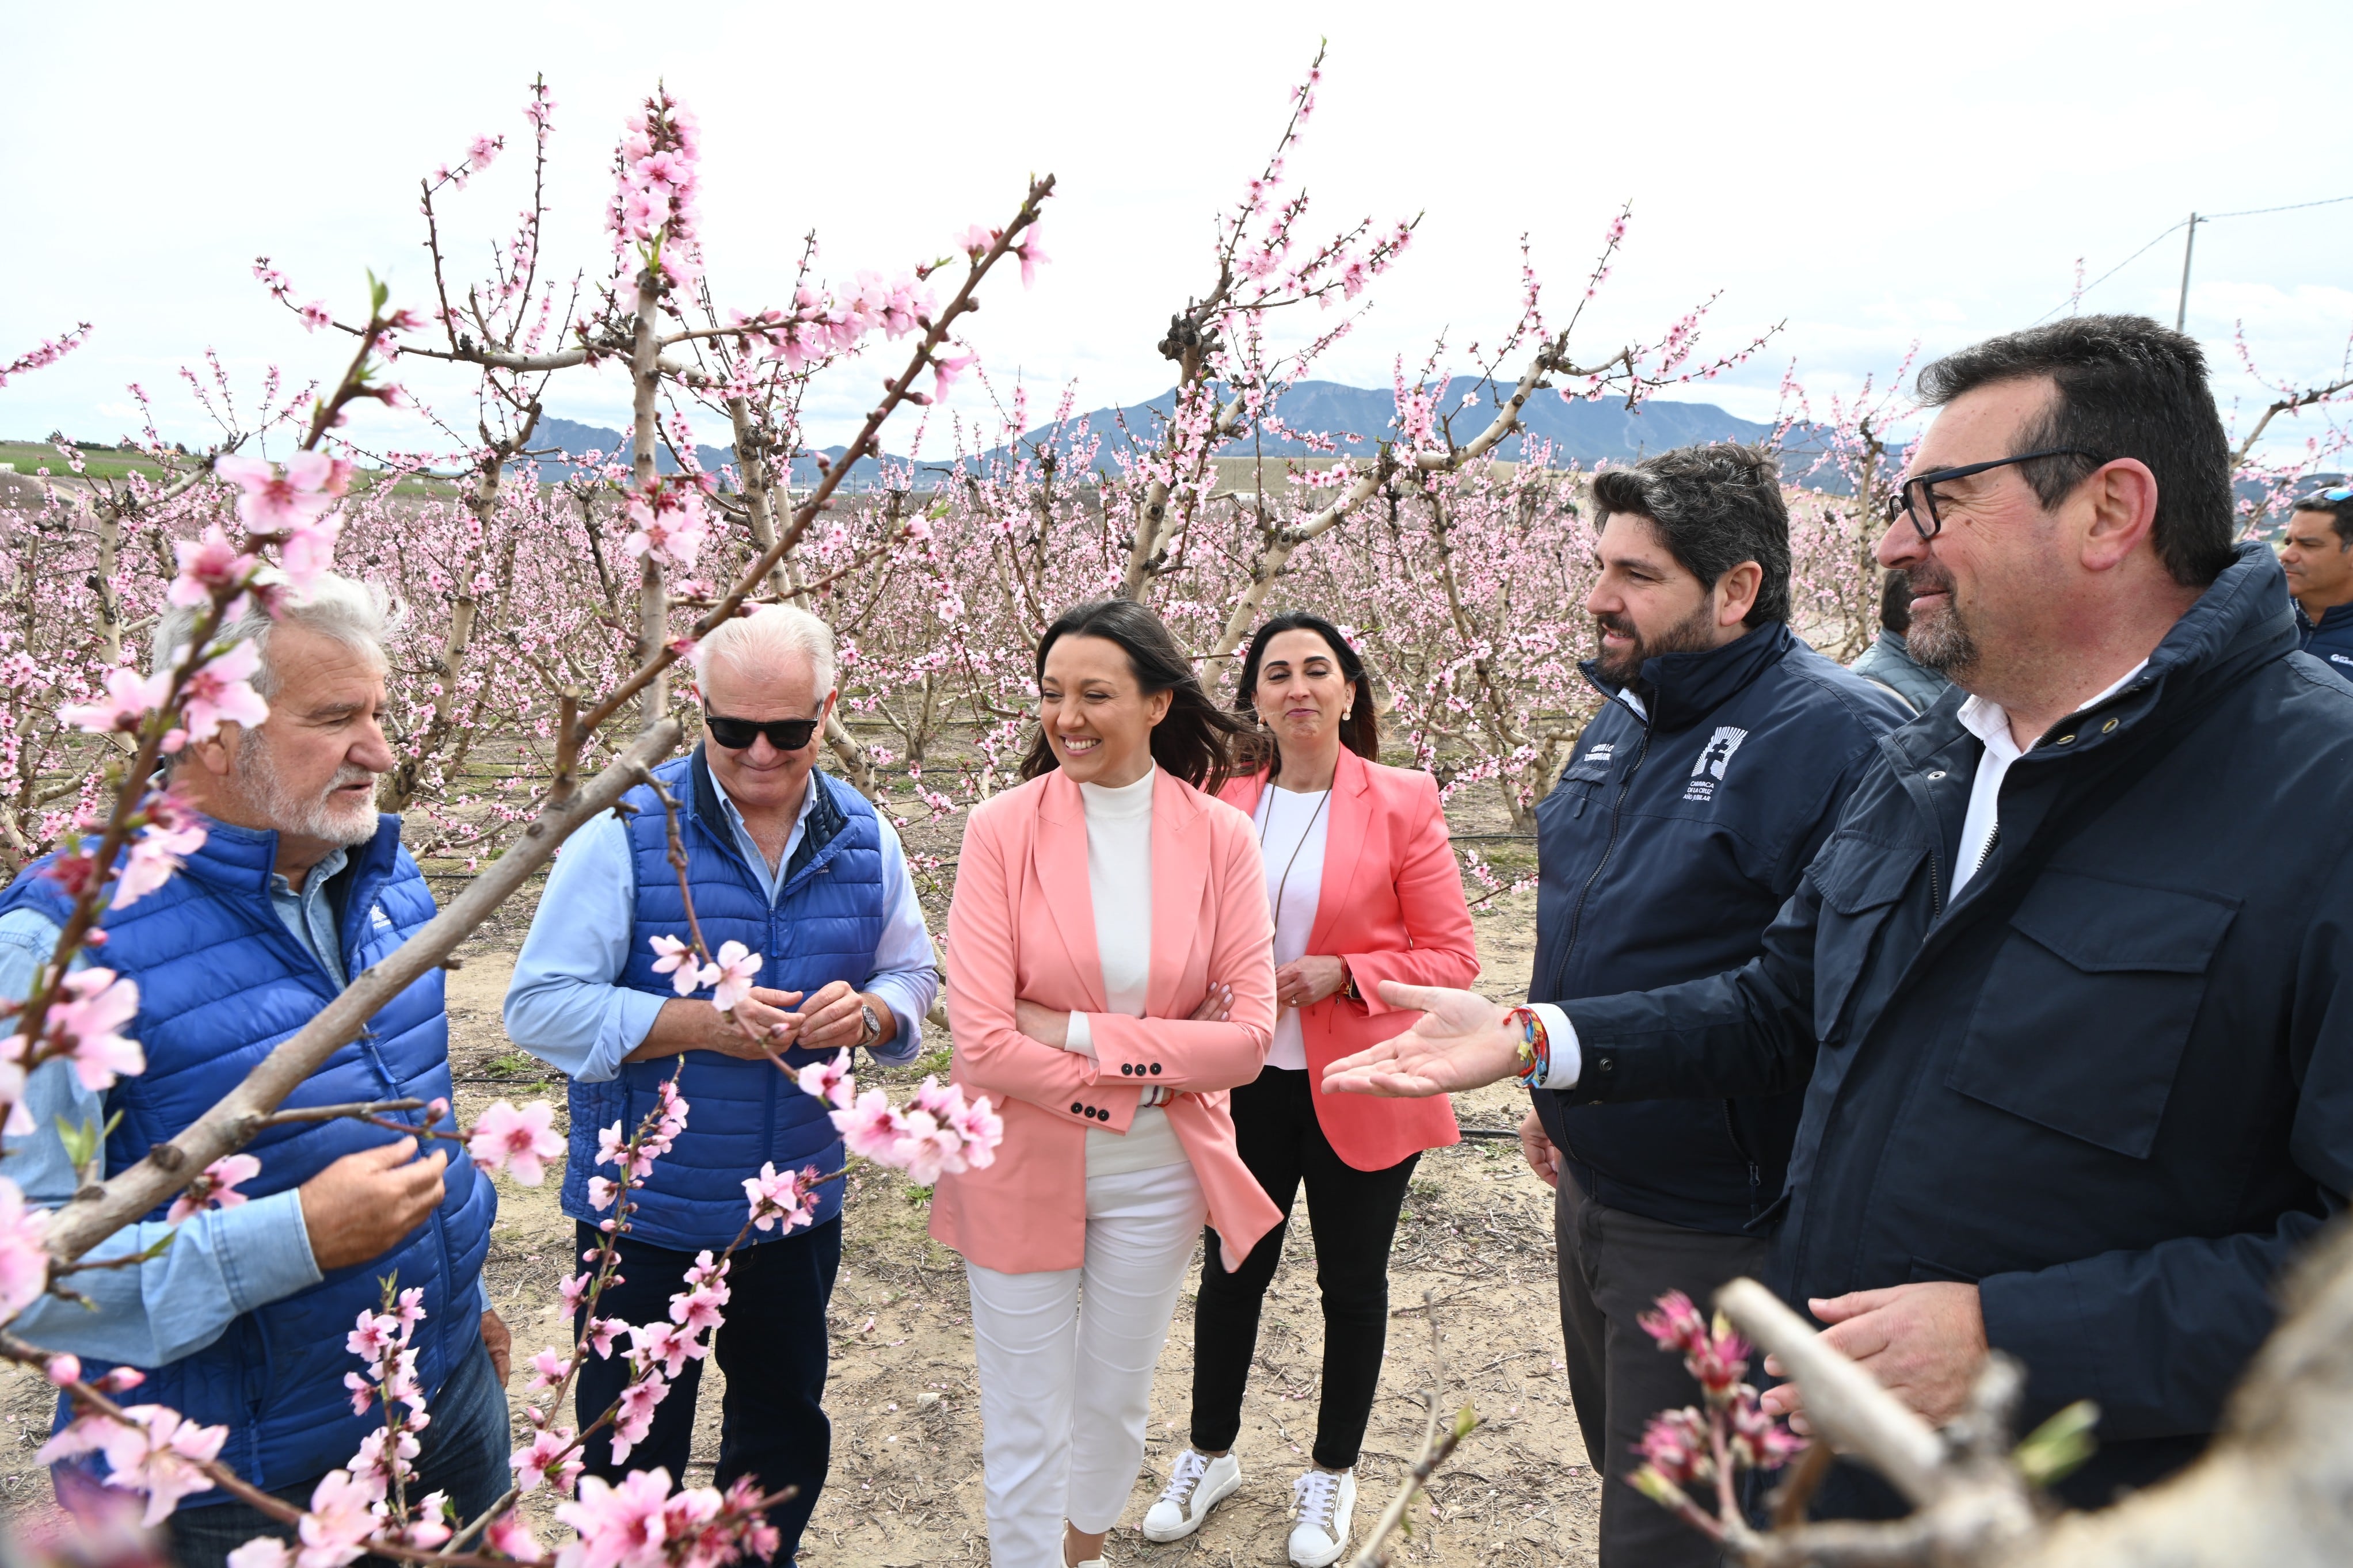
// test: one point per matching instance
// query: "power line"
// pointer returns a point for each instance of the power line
(2077, 296)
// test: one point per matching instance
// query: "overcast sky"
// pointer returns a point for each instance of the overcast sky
(1867, 174)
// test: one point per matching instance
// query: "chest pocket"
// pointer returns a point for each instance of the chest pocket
(2088, 1007)
(1580, 783)
(1860, 882)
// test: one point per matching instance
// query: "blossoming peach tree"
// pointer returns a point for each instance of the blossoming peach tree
(241, 530)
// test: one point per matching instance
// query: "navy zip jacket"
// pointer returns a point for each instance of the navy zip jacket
(2112, 1082)
(1664, 853)
(2330, 638)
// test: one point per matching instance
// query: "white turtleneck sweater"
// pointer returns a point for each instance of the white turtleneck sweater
(1119, 883)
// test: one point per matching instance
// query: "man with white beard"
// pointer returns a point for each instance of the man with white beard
(299, 887)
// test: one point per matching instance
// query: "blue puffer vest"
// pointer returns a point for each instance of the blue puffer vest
(825, 926)
(221, 982)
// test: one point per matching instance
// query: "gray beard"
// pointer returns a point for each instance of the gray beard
(1942, 642)
(317, 816)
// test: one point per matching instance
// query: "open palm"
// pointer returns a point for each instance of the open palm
(1461, 1041)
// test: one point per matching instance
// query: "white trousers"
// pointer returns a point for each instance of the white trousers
(1066, 1359)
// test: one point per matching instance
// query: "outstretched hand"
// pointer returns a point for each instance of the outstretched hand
(1461, 1041)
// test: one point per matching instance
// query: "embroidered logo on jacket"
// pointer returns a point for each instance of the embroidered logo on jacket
(1713, 761)
(378, 918)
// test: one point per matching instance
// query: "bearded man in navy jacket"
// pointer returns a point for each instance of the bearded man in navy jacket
(299, 887)
(802, 870)
(1690, 810)
(2069, 1006)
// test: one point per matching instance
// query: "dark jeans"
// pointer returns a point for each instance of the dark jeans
(772, 1348)
(462, 1451)
(1613, 1268)
(1354, 1215)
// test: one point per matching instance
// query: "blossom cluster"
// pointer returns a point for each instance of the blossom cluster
(45, 354)
(653, 203)
(938, 1132)
(667, 522)
(729, 974)
(1680, 1447)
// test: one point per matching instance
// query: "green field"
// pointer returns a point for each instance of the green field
(31, 456)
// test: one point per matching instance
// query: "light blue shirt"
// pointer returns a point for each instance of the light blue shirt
(225, 1262)
(564, 1005)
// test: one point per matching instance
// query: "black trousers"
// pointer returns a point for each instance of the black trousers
(1613, 1268)
(1353, 1216)
(462, 1451)
(772, 1348)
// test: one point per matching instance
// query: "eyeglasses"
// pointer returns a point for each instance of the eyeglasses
(1901, 504)
(737, 734)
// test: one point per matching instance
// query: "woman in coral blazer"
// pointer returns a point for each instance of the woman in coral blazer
(1365, 889)
(1110, 978)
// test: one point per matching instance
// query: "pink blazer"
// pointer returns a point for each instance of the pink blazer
(1022, 924)
(1392, 906)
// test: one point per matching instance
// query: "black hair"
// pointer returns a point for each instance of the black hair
(1360, 727)
(1195, 740)
(1896, 600)
(2126, 388)
(1715, 506)
(2340, 515)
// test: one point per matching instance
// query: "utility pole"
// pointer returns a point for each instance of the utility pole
(2182, 309)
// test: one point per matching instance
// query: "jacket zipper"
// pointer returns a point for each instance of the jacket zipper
(1608, 847)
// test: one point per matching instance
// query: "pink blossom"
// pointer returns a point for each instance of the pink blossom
(219, 692)
(945, 369)
(871, 1127)
(82, 1021)
(619, 1527)
(160, 850)
(1676, 1444)
(483, 150)
(982, 1130)
(829, 1080)
(574, 1290)
(307, 552)
(778, 1197)
(660, 1345)
(209, 565)
(1675, 1323)
(130, 698)
(678, 961)
(548, 1367)
(340, 1517)
(602, 1191)
(1032, 254)
(62, 1369)
(925, 1149)
(262, 1552)
(216, 1188)
(546, 1456)
(602, 1332)
(733, 982)
(633, 1414)
(510, 1536)
(273, 502)
(316, 315)
(153, 1450)
(516, 1142)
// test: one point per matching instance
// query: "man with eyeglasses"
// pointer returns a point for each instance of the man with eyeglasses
(2317, 555)
(2074, 1017)
(802, 870)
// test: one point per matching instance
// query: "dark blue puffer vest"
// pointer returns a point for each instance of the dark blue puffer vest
(221, 982)
(825, 924)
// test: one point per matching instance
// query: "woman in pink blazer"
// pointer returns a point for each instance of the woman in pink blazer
(1363, 888)
(1110, 978)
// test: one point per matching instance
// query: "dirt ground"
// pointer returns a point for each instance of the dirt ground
(905, 1488)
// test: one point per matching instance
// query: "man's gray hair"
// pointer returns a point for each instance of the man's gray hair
(360, 616)
(751, 645)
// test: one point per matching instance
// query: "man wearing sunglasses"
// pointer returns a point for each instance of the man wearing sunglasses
(803, 871)
(2074, 1014)
(2317, 555)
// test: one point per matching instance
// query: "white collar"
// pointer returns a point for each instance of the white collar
(1989, 721)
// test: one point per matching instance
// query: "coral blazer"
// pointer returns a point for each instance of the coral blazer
(1022, 924)
(1391, 905)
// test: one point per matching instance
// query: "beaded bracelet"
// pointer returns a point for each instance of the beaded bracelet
(1535, 1047)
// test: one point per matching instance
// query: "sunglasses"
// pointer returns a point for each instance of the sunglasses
(737, 734)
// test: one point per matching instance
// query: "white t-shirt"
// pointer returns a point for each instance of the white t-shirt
(1119, 883)
(1291, 830)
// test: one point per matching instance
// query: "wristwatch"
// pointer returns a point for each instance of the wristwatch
(873, 1023)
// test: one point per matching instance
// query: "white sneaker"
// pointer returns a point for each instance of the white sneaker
(1198, 1485)
(1325, 1505)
